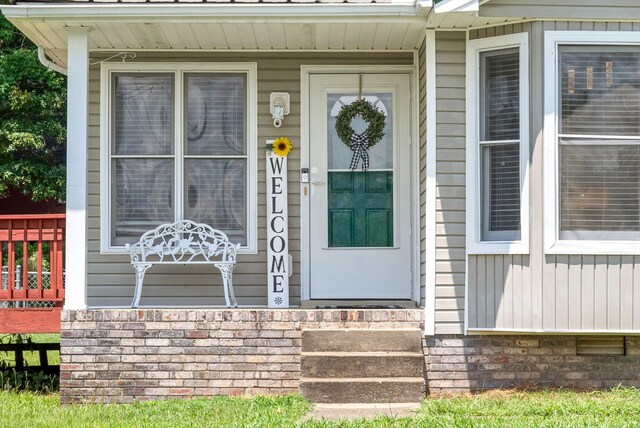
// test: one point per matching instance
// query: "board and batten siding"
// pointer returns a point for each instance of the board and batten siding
(110, 278)
(450, 181)
(539, 292)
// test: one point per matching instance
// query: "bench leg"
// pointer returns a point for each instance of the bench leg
(234, 302)
(226, 269)
(140, 271)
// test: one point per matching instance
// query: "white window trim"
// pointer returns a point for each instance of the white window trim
(179, 69)
(552, 242)
(475, 244)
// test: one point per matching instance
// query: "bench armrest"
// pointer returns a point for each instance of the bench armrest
(135, 252)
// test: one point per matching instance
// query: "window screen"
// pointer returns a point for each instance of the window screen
(599, 143)
(142, 164)
(215, 163)
(215, 114)
(213, 180)
(500, 76)
(500, 144)
(501, 165)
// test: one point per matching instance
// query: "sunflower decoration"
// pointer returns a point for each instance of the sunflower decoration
(281, 146)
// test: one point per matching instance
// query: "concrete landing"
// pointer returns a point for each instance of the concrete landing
(362, 410)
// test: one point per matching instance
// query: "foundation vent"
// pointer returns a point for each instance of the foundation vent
(601, 345)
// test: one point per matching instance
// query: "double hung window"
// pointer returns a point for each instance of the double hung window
(594, 186)
(176, 145)
(497, 145)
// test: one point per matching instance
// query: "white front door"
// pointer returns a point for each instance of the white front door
(360, 222)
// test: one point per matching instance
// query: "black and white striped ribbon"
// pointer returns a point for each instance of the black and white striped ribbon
(359, 146)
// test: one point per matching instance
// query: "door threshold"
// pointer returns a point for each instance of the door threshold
(358, 304)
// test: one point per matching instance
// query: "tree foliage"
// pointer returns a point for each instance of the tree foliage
(32, 120)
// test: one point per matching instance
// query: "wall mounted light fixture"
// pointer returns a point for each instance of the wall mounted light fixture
(278, 107)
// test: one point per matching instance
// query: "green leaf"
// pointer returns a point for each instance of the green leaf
(32, 120)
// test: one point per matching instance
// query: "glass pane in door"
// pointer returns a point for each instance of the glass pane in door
(360, 202)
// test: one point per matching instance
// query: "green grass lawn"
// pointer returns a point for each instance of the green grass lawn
(617, 408)
(32, 358)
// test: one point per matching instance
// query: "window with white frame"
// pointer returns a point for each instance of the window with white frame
(596, 142)
(497, 145)
(178, 147)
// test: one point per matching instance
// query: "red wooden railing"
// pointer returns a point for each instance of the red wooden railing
(31, 272)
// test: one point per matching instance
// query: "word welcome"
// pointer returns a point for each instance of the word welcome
(277, 232)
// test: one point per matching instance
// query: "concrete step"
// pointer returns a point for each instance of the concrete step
(397, 340)
(361, 364)
(363, 390)
(351, 411)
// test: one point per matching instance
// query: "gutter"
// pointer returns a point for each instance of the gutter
(48, 63)
(57, 12)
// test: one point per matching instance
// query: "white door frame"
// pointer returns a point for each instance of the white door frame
(305, 74)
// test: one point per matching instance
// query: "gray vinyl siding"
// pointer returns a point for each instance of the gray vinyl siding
(450, 179)
(110, 277)
(422, 96)
(578, 292)
(551, 292)
(563, 9)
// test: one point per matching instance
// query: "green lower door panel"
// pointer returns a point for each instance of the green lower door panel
(361, 209)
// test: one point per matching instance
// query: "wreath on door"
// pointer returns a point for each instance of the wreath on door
(360, 143)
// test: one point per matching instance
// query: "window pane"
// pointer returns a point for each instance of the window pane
(215, 194)
(143, 112)
(215, 114)
(380, 155)
(600, 90)
(143, 197)
(501, 188)
(600, 191)
(500, 95)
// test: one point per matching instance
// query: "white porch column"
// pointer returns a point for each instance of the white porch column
(431, 188)
(77, 134)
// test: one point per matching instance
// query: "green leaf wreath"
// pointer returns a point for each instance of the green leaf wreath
(374, 117)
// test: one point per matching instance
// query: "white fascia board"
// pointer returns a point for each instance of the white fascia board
(456, 6)
(205, 12)
(423, 7)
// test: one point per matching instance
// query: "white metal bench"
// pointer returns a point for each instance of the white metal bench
(184, 242)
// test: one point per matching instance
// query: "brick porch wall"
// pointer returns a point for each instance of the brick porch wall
(129, 355)
(473, 363)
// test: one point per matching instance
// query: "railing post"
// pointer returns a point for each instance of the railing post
(18, 284)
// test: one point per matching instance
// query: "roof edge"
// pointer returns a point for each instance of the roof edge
(191, 11)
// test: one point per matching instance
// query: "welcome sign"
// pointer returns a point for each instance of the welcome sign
(277, 231)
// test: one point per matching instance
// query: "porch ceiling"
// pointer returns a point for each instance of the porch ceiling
(396, 25)
(177, 36)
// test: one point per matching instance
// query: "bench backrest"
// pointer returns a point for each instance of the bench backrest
(183, 242)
